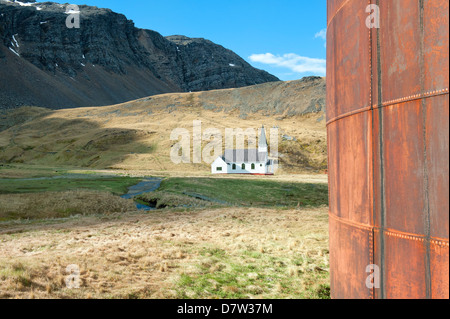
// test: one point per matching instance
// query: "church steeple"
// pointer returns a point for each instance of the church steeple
(262, 143)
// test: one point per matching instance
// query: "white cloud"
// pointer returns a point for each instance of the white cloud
(322, 34)
(294, 62)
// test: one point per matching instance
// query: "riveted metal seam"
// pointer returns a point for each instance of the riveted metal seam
(417, 97)
(381, 164)
(370, 168)
(391, 232)
(371, 256)
(351, 223)
(426, 207)
(397, 102)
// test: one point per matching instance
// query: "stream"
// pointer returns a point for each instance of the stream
(146, 186)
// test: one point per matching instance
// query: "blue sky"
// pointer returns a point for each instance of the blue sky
(284, 37)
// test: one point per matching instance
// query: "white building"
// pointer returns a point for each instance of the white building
(251, 161)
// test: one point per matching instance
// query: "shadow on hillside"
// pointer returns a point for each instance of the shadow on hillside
(77, 142)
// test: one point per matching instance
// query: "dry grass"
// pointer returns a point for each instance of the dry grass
(25, 171)
(210, 253)
(136, 135)
(163, 200)
(61, 204)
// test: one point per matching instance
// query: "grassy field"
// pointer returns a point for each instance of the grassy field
(60, 195)
(216, 238)
(248, 237)
(115, 185)
(202, 253)
(63, 196)
(245, 192)
(62, 204)
(27, 171)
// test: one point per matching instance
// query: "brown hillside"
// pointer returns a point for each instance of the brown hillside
(136, 135)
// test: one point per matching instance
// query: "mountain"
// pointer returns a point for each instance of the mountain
(137, 134)
(105, 61)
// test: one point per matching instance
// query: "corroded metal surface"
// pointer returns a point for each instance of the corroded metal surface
(388, 129)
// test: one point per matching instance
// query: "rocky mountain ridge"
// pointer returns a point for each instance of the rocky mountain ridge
(106, 61)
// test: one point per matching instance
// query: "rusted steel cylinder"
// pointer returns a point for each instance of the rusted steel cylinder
(388, 143)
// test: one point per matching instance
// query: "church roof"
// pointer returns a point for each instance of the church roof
(244, 156)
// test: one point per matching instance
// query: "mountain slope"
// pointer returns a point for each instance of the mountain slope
(136, 135)
(107, 60)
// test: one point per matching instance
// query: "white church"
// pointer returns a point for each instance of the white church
(249, 161)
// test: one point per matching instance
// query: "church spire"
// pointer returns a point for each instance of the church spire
(262, 143)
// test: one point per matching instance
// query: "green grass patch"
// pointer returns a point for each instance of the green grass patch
(255, 193)
(114, 185)
(16, 274)
(254, 275)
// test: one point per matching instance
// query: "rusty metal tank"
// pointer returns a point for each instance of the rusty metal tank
(388, 142)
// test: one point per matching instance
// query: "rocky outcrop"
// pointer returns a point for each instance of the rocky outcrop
(107, 60)
(206, 64)
(281, 99)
